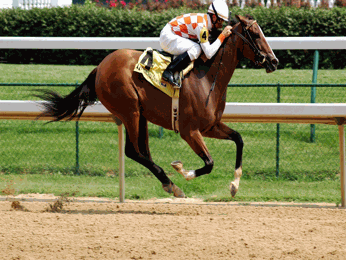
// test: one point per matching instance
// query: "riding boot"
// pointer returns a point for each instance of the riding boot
(178, 64)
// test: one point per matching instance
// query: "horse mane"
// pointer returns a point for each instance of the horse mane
(214, 34)
(234, 21)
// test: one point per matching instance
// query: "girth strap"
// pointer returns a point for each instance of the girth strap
(175, 110)
(175, 98)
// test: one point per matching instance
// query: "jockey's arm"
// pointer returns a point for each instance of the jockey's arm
(210, 49)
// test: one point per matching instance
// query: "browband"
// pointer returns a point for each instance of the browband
(253, 22)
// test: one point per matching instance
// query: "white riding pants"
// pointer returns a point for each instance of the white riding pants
(176, 45)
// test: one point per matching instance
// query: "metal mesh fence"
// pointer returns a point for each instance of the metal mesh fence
(36, 147)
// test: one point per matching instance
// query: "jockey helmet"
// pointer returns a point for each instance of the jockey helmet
(220, 9)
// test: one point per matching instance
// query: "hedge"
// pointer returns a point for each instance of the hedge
(92, 21)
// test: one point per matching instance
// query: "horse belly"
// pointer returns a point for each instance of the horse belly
(156, 105)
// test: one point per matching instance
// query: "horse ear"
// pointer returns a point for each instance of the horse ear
(241, 19)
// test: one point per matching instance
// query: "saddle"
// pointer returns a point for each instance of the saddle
(151, 64)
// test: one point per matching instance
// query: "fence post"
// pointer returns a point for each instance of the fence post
(342, 163)
(121, 163)
(278, 136)
(77, 143)
(313, 92)
(77, 148)
(160, 132)
(121, 139)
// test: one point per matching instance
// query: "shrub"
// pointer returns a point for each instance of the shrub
(93, 21)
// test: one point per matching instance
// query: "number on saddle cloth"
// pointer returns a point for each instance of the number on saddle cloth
(148, 57)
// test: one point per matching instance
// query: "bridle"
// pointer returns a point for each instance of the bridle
(260, 58)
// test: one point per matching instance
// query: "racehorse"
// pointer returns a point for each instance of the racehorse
(130, 98)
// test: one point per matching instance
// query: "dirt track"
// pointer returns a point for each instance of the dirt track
(147, 230)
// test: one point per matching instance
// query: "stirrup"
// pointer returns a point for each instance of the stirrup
(173, 82)
(176, 84)
(178, 80)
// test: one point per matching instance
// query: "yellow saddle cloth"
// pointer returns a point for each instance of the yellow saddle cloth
(152, 64)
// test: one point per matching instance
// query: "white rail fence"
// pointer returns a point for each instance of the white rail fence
(99, 43)
(234, 112)
(272, 3)
(29, 4)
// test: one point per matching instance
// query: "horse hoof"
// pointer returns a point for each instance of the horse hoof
(233, 189)
(172, 188)
(188, 175)
(177, 165)
(177, 192)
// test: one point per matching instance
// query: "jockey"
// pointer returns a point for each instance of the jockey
(187, 35)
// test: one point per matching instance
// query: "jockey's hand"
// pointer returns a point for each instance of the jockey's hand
(227, 31)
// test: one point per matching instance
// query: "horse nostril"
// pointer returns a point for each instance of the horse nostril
(275, 62)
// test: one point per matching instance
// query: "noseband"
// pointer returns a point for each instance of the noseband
(252, 44)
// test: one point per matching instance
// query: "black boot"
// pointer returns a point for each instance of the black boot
(178, 64)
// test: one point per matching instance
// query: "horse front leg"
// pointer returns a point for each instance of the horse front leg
(195, 139)
(222, 131)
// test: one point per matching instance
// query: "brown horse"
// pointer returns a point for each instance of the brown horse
(130, 98)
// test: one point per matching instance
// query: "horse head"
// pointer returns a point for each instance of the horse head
(255, 45)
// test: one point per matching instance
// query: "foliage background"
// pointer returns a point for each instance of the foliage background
(94, 21)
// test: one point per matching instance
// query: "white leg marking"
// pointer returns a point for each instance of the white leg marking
(235, 184)
(188, 175)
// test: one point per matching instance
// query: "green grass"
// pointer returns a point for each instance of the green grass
(18, 73)
(12, 73)
(70, 74)
(306, 169)
(288, 76)
(209, 188)
(35, 147)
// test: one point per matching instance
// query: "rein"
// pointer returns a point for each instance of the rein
(217, 73)
(252, 43)
(252, 46)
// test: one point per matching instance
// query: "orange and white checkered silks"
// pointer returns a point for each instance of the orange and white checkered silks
(189, 25)
(183, 34)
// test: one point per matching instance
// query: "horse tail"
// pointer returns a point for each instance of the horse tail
(72, 105)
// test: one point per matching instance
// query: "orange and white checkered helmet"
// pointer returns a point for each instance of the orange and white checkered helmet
(220, 9)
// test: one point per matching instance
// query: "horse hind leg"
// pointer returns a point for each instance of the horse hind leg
(137, 148)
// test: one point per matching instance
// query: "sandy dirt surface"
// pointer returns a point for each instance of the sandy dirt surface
(170, 229)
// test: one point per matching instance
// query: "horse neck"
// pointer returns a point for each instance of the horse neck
(224, 70)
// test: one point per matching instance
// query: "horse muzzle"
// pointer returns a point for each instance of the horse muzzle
(271, 63)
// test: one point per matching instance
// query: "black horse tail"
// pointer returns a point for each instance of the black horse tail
(72, 105)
